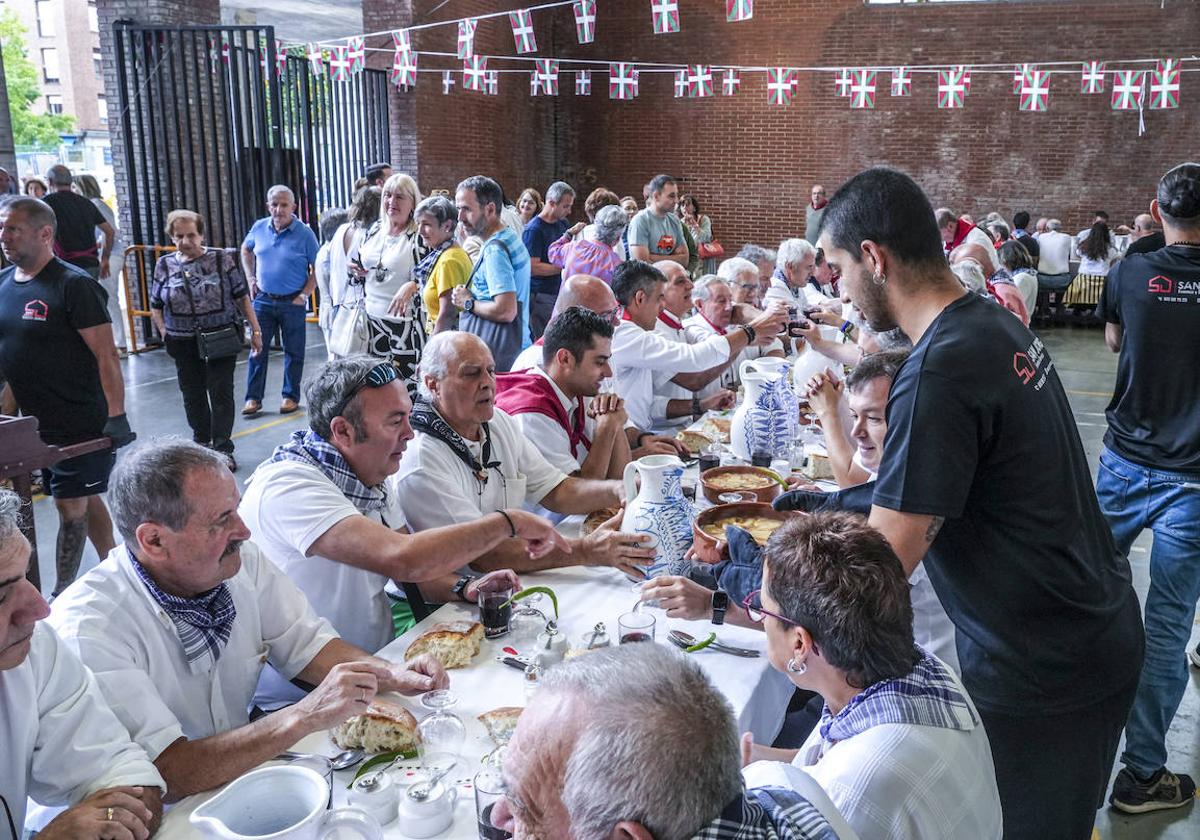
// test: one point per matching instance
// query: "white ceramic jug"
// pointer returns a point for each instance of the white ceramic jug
(660, 510)
(807, 364)
(760, 423)
(279, 803)
(783, 389)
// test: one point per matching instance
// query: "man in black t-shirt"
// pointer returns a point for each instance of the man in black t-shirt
(77, 218)
(1145, 238)
(982, 454)
(1150, 471)
(57, 351)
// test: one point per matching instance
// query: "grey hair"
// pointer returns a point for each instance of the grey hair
(1054, 224)
(10, 515)
(756, 254)
(701, 288)
(557, 190)
(278, 188)
(657, 743)
(610, 224)
(730, 269)
(439, 208)
(148, 483)
(791, 251)
(436, 356)
(970, 274)
(59, 175)
(328, 389)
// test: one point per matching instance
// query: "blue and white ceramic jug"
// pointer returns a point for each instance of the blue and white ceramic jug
(760, 423)
(660, 510)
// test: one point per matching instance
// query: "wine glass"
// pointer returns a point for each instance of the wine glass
(528, 621)
(442, 732)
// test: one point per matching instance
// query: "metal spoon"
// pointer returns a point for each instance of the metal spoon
(421, 794)
(342, 761)
(683, 640)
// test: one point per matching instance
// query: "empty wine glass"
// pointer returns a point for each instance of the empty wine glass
(528, 620)
(442, 732)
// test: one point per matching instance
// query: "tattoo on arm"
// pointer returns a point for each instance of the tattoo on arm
(935, 525)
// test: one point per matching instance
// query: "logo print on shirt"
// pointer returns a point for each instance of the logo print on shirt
(666, 243)
(1161, 285)
(1025, 369)
(36, 310)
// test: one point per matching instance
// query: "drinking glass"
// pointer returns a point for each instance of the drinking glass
(495, 614)
(442, 732)
(528, 621)
(489, 790)
(710, 457)
(636, 627)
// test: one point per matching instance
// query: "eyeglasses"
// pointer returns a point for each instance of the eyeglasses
(378, 376)
(613, 316)
(757, 613)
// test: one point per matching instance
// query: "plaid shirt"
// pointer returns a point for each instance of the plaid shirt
(768, 813)
(203, 622)
(308, 447)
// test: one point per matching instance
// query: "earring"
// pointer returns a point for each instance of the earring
(879, 279)
(794, 668)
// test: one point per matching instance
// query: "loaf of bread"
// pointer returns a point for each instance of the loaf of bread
(383, 727)
(694, 441)
(818, 467)
(501, 723)
(453, 643)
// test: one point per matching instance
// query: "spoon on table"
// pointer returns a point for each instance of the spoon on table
(422, 793)
(342, 761)
(684, 640)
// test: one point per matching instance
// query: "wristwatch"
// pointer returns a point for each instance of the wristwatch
(720, 603)
(469, 305)
(459, 590)
(696, 410)
(750, 332)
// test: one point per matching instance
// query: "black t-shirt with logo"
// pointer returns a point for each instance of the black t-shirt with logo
(980, 432)
(53, 373)
(77, 219)
(1154, 416)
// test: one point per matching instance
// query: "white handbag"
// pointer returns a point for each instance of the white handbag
(349, 332)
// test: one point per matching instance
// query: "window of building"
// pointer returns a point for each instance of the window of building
(93, 20)
(54, 104)
(102, 105)
(97, 63)
(45, 18)
(50, 69)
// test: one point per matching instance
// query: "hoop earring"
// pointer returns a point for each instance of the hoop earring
(794, 668)
(879, 279)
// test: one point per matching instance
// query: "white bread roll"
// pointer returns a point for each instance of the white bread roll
(383, 727)
(501, 723)
(453, 643)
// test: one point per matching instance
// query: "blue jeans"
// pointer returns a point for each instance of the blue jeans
(290, 319)
(1135, 498)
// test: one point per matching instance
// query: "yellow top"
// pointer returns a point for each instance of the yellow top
(452, 269)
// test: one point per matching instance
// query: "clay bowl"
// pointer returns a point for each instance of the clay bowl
(709, 549)
(767, 493)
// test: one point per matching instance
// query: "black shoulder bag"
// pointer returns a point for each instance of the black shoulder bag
(219, 342)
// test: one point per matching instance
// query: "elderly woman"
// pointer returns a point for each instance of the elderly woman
(389, 252)
(529, 205)
(900, 748)
(197, 292)
(445, 266)
(597, 255)
(596, 201)
(89, 188)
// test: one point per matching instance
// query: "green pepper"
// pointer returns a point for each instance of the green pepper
(535, 590)
(381, 759)
(712, 637)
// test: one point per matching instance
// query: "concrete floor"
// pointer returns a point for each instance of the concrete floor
(1085, 366)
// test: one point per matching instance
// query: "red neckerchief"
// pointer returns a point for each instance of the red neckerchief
(961, 229)
(625, 315)
(719, 330)
(540, 342)
(669, 320)
(522, 391)
(817, 206)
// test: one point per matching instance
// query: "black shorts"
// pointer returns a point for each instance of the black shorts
(86, 475)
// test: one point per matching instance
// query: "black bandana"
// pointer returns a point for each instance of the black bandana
(426, 419)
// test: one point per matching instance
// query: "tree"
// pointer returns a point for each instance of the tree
(21, 77)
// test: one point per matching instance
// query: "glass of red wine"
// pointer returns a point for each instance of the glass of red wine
(495, 612)
(637, 626)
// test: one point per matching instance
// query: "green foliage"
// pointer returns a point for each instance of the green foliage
(21, 79)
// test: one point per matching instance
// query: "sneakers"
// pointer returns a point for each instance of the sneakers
(1194, 656)
(1162, 790)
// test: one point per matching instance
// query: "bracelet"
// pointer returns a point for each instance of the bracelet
(511, 527)
(750, 333)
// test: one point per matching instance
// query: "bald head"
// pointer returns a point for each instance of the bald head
(587, 291)
(1143, 225)
(972, 251)
(671, 270)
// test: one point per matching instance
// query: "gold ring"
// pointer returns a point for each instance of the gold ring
(108, 814)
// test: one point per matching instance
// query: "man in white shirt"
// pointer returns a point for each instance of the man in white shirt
(325, 508)
(178, 621)
(468, 460)
(638, 351)
(656, 234)
(1054, 260)
(742, 277)
(559, 405)
(713, 301)
(577, 290)
(62, 745)
(956, 230)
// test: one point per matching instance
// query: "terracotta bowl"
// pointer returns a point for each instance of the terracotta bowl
(709, 549)
(762, 494)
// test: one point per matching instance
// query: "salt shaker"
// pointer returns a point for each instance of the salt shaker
(551, 646)
(376, 794)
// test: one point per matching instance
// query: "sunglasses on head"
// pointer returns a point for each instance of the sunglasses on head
(378, 376)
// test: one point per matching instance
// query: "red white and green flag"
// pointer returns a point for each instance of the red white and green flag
(1091, 80)
(681, 84)
(1035, 91)
(358, 54)
(964, 76)
(862, 89)
(622, 83)
(316, 60)
(522, 27)
(402, 39)
(736, 10)
(339, 63)
(1128, 89)
(731, 82)
(1164, 85)
(535, 83)
(475, 72)
(1020, 71)
(547, 73)
(447, 82)
(781, 83)
(466, 37)
(666, 16)
(281, 57)
(901, 82)
(952, 90)
(842, 81)
(700, 80)
(585, 21)
(583, 83)
(404, 69)
(493, 82)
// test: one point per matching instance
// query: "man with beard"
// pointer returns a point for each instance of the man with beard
(177, 623)
(982, 454)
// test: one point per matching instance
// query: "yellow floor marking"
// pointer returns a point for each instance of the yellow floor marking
(299, 415)
(1090, 393)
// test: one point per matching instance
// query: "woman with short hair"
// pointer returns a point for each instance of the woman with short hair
(529, 204)
(596, 256)
(445, 266)
(201, 290)
(35, 187)
(1023, 267)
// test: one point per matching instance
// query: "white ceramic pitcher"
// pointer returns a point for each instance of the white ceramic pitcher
(279, 803)
(783, 389)
(760, 422)
(660, 510)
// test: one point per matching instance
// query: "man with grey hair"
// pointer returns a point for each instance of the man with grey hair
(1054, 259)
(78, 221)
(279, 256)
(956, 230)
(764, 258)
(178, 622)
(635, 742)
(741, 275)
(543, 230)
(792, 283)
(326, 508)
(713, 301)
(62, 743)
(469, 459)
(577, 290)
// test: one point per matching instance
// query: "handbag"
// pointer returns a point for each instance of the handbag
(711, 250)
(350, 331)
(217, 342)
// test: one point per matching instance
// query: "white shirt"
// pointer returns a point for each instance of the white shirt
(1101, 266)
(437, 488)
(664, 389)
(389, 261)
(699, 329)
(288, 506)
(1027, 284)
(61, 742)
(110, 619)
(903, 781)
(530, 357)
(549, 437)
(637, 353)
(979, 237)
(1054, 252)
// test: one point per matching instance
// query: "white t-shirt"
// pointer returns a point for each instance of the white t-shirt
(664, 389)
(903, 781)
(288, 506)
(550, 438)
(437, 488)
(110, 619)
(389, 261)
(1101, 266)
(1054, 252)
(61, 742)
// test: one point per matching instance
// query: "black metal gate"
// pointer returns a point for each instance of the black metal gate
(210, 121)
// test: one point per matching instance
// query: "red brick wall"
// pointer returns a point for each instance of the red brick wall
(751, 164)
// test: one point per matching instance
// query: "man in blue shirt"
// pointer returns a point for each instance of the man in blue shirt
(542, 231)
(278, 257)
(495, 303)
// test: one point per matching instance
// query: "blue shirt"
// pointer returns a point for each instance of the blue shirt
(504, 267)
(539, 235)
(282, 257)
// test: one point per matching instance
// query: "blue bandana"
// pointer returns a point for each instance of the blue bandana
(203, 622)
(308, 447)
(768, 813)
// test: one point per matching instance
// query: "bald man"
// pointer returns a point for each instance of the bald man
(1000, 284)
(584, 290)
(1146, 236)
